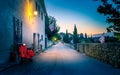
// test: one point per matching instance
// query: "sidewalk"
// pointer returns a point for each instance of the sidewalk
(7, 65)
(4, 67)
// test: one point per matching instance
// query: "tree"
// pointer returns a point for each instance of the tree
(47, 30)
(75, 35)
(81, 36)
(91, 36)
(66, 37)
(85, 35)
(51, 21)
(56, 38)
(111, 9)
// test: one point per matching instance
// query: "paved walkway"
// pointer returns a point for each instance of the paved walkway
(62, 60)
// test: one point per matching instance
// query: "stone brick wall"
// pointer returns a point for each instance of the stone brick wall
(108, 52)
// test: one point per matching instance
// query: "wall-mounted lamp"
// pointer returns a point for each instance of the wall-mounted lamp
(35, 13)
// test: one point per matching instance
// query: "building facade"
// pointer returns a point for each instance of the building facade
(21, 21)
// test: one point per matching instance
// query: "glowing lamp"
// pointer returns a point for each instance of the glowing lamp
(54, 39)
(35, 13)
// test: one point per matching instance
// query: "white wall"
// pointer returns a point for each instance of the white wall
(17, 8)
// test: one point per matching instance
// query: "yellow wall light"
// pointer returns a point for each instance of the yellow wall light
(35, 13)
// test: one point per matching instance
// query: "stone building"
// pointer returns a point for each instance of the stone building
(21, 21)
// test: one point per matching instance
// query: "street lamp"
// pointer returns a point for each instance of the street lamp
(55, 38)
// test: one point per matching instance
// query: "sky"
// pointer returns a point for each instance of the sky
(82, 13)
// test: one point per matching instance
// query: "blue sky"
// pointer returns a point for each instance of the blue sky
(83, 13)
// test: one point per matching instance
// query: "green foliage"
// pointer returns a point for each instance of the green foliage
(55, 38)
(75, 30)
(47, 30)
(117, 35)
(81, 35)
(85, 35)
(51, 20)
(111, 40)
(75, 35)
(111, 9)
(66, 37)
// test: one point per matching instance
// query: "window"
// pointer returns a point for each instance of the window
(37, 8)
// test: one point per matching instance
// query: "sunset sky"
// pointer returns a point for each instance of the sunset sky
(83, 13)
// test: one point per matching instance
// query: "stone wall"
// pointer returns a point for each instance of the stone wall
(108, 52)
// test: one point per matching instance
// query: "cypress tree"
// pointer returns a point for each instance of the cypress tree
(75, 35)
(66, 37)
(85, 36)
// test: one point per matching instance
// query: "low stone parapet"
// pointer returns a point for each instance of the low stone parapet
(107, 52)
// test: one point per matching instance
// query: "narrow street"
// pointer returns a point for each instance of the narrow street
(62, 60)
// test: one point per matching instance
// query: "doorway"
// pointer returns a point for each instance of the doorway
(17, 32)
